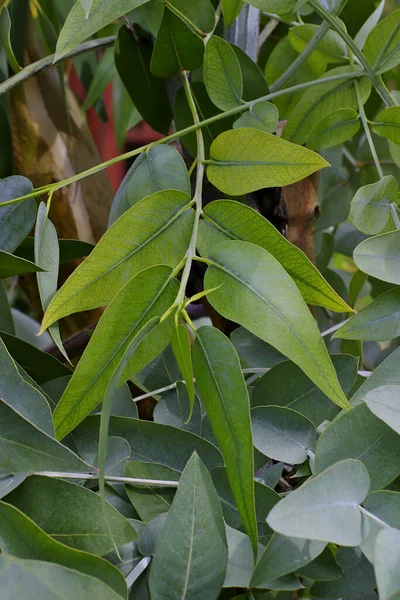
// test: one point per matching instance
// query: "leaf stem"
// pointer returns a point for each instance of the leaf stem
(114, 479)
(366, 512)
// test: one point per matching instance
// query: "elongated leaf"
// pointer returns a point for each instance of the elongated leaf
(334, 129)
(384, 403)
(69, 249)
(159, 168)
(246, 159)
(13, 265)
(387, 124)
(156, 230)
(320, 100)
(359, 434)
(337, 491)
(262, 115)
(331, 49)
(222, 74)
(193, 541)
(278, 7)
(174, 409)
(147, 295)
(103, 75)
(9, 482)
(224, 393)
(16, 220)
(132, 59)
(230, 10)
(5, 28)
(83, 529)
(87, 5)
(182, 351)
(269, 305)
(382, 47)
(387, 557)
(227, 219)
(370, 209)
(282, 434)
(78, 28)
(22, 538)
(198, 14)
(379, 256)
(38, 579)
(6, 318)
(387, 373)
(369, 24)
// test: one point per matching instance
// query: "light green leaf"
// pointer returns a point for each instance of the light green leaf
(336, 492)
(386, 373)
(382, 47)
(379, 256)
(360, 435)
(227, 219)
(5, 41)
(379, 321)
(282, 434)
(278, 7)
(331, 49)
(222, 74)
(181, 348)
(22, 538)
(262, 115)
(268, 304)
(37, 579)
(230, 10)
(193, 541)
(386, 563)
(370, 208)
(83, 529)
(384, 403)
(282, 556)
(156, 230)
(147, 295)
(78, 28)
(246, 159)
(197, 14)
(223, 391)
(387, 124)
(87, 5)
(369, 24)
(16, 220)
(334, 129)
(320, 100)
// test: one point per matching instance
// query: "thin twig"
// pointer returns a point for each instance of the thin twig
(111, 478)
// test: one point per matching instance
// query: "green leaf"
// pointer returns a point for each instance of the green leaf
(77, 521)
(246, 159)
(282, 434)
(369, 24)
(10, 482)
(322, 568)
(336, 492)
(370, 208)
(197, 14)
(181, 348)
(6, 318)
(278, 7)
(147, 295)
(69, 249)
(286, 385)
(282, 556)
(16, 220)
(387, 124)
(103, 75)
(22, 538)
(223, 391)
(174, 409)
(5, 28)
(384, 403)
(379, 256)
(331, 49)
(78, 28)
(379, 321)
(320, 100)
(358, 576)
(37, 579)
(125, 113)
(360, 435)
(240, 559)
(230, 10)
(11, 265)
(132, 59)
(334, 129)
(268, 304)
(222, 74)
(195, 530)
(177, 47)
(87, 5)
(262, 115)
(386, 563)
(162, 226)
(386, 373)
(382, 47)
(227, 219)
(254, 352)
(254, 84)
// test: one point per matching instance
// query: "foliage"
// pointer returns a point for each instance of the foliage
(269, 465)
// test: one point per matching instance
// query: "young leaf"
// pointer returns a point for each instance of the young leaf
(174, 409)
(386, 563)
(336, 492)
(282, 434)
(359, 434)
(182, 351)
(227, 219)
(147, 295)
(334, 129)
(78, 28)
(156, 230)
(16, 220)
(45, 580)
(193, 541)
(387, 124)
(225, 396)
(370, 209)
(322, 568)
(382, 47)
(222, 74)
(22, 538)
(132, 59)
(246, 159)
(379, 256)
(384, 403)
(268, 304)
(262, 115)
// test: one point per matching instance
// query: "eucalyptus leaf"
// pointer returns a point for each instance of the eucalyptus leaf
(386, 563)
(358, 576)
(322, 568)
(6, 319)
(181, 348)
(11, 265)
(384, 403)
(379, 256)
(370, 209)
(387, 373)
(174, 409)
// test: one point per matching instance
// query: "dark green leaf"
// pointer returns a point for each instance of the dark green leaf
(379, 256)
(13, 265)
(358, 576)
(383, 402)
(387, 373)
(174, 409)
(16, 220)
(149, 501)
(181, 348)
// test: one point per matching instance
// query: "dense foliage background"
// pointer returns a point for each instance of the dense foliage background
(212, 407)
